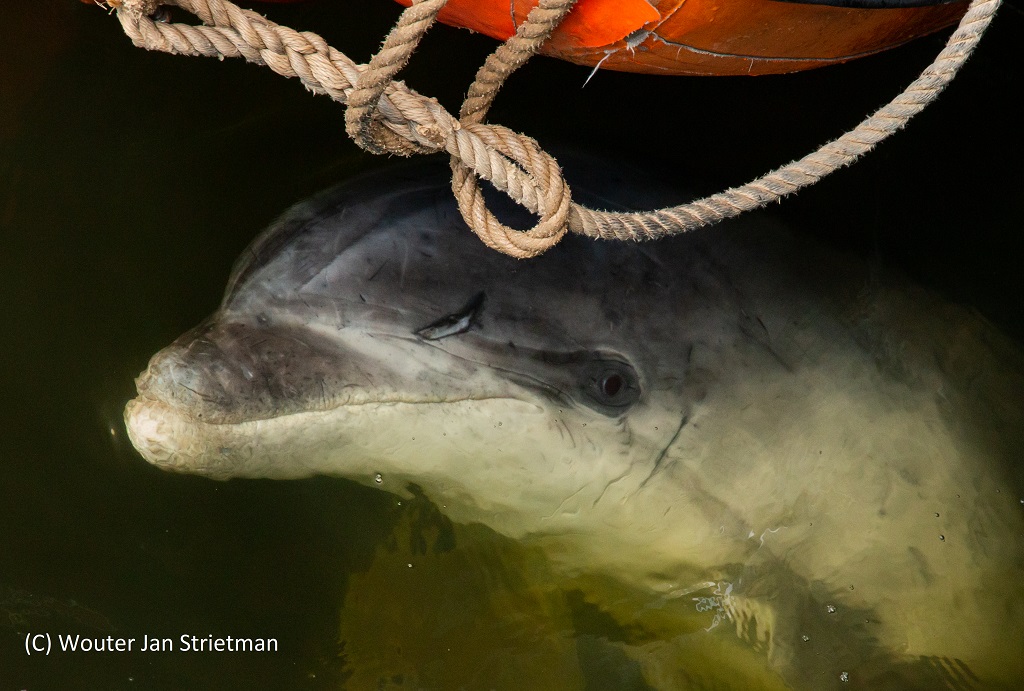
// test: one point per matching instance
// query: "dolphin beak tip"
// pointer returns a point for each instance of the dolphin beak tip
(159, 433)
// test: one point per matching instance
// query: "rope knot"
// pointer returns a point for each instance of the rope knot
(514, 163)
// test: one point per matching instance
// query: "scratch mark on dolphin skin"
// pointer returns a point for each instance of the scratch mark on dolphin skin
(610, 483)
(563, 430)
(564, 502)
(664, 452)
(765, 342)
(377, 271)
(201, 395)
(763, 327)
(405, 266)
(298, 340)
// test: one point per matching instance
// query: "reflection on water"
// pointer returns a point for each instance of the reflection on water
(452, 606)
(129, 183)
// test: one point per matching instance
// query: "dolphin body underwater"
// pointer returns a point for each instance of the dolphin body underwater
(731, 404)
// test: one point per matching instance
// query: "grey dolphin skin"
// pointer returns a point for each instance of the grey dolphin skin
(716, 407)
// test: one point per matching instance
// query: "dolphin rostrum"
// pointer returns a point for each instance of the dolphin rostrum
(668, 414)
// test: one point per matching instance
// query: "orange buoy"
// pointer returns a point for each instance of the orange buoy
(715, 37)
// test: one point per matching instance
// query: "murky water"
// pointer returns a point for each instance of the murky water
(129, 182)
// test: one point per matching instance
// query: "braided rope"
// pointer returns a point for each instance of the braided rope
(385, 116)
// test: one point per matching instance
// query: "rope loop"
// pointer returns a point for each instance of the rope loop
(552, 206)
(384, 116)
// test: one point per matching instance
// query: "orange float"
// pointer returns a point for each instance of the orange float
(715, 37)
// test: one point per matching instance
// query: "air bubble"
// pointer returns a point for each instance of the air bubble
(942, 538)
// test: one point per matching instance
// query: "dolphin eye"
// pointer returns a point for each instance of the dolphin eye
(610, 386)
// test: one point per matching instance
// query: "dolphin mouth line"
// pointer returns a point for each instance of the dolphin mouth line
(176, 439)
(144, 399)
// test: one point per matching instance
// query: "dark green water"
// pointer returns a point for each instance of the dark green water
(130, 181)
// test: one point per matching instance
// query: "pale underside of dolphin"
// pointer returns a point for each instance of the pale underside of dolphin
(669, 414)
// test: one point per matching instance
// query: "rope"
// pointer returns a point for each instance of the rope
(385, 116)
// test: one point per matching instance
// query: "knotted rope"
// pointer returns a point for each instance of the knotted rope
(385, 116)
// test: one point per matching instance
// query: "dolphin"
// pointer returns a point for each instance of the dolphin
(715, 407)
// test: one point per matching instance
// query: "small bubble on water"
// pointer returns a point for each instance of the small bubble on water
(942, 538)
(844, 676)
(831, 609)
(805, 638)
(378, 478)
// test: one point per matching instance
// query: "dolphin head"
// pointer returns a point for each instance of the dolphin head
(367, 334)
